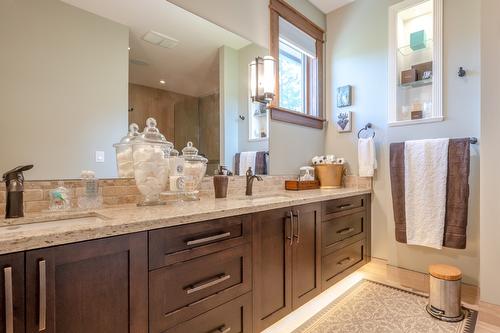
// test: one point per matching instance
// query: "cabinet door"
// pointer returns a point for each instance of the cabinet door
(96, 286)
(12, 293)
(272, 266)
(306, 264)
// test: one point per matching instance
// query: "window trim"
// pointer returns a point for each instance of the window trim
(280, 8)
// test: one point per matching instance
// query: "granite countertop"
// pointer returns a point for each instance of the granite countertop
(48, 229)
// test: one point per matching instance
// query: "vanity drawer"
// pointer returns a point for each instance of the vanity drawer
(342, 228)
(338, 261)
(170, 245)
(232, 317)
(182, 291)
(332, 208)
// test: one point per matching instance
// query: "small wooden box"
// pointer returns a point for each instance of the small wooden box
(295, 185)
(409, 76)
(417, 115)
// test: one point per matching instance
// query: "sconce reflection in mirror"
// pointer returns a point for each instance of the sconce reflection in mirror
(262, 79)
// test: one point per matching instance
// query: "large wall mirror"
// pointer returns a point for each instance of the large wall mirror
(77, 72)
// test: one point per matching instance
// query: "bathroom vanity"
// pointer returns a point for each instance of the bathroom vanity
(230, 265)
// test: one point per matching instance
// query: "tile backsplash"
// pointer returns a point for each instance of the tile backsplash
(123, 191)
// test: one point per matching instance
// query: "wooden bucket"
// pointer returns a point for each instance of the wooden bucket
(329, 175)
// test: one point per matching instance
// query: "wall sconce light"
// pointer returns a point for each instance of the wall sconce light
(262, 79)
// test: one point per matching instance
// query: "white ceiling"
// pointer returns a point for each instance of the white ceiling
(191, 68)
(326, 6)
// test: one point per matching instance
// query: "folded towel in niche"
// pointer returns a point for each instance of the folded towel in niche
(457, 192)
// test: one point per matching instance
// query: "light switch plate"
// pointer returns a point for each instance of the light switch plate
(99, 156)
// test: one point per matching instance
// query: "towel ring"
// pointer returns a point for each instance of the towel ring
(367, 126)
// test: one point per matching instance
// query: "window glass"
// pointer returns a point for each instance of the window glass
(292, 63)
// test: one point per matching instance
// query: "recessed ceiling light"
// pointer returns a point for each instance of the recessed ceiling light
(162, 81)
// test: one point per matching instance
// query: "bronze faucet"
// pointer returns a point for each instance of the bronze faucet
(250, 178)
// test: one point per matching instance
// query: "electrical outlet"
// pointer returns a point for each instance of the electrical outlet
(99, 156)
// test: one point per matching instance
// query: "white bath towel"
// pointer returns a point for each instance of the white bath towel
(366, 157)
(247, 160)
(426, 170)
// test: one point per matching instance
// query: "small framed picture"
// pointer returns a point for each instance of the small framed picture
(344, 96)
(343, 122)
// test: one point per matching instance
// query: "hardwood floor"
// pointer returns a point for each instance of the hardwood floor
(378, 270)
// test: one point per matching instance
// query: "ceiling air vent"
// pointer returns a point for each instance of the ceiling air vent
(138, 62)
(159, 39)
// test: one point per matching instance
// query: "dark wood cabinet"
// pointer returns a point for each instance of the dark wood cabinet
(346, 235)
(286, 245)
(185, 290)
(306, 257)
(236, 274)
(232, 317)
(272, 266)
(97, 286)
(12, 293)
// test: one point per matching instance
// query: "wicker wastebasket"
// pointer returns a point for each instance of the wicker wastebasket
(444, 297)
(329, 175)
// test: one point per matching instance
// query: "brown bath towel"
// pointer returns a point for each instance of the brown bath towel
(455, 230)
(260, 163)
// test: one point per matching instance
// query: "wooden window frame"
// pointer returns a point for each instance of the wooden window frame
(279, 8)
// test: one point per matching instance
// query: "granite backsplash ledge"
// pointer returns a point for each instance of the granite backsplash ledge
(117, 192)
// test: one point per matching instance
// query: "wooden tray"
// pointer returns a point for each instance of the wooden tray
(295, 185)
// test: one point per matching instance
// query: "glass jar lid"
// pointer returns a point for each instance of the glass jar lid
(190, 153)
(151, 134)
(133, 133)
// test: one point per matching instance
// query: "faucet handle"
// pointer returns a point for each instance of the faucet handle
(16, 172)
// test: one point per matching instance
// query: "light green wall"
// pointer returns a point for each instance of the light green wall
(490, 138)
(357, 42)
(229, 104)
(64, 84)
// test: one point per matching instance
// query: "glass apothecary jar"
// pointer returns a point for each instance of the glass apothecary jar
(195, 167)
(124, 157)
(151, 152)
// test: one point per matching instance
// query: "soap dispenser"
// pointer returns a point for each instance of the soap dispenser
(14, 181)
(221, 180)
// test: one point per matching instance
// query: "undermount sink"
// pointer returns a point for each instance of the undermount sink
(52, 220)
(265, 198)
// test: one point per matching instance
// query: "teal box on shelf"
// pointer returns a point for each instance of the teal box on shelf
(418, 40)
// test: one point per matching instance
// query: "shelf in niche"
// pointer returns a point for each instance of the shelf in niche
(416, 84)
(406, 50)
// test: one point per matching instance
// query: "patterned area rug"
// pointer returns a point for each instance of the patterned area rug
(370, 307)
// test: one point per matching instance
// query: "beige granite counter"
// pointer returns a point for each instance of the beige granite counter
(42, 230)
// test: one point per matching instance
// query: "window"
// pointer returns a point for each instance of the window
(297, 44)
(292, 74)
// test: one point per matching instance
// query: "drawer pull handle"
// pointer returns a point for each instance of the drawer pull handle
(344, 206)
(9, 302)
(222, 329)
(42, 313)
(297, 218)
(206, 284)
(344, 261)
(207, 239)
(345, 231)
(290, 234)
